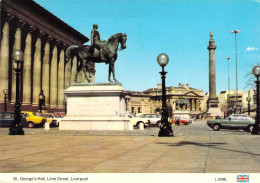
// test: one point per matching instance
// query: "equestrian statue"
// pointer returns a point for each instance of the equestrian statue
(99, 51)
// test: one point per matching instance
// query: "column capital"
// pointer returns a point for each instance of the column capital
(57, 43)
(64, 46)
(9, 17)
(21, 23)
(49, 38)
(31, 29)
(40, 34)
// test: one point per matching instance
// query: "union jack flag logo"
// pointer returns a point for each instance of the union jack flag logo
(243, 178)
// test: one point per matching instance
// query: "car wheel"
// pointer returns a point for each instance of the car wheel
(30, 124)
(216, 127)
(250, 128)
(159, 123)
(139, 124)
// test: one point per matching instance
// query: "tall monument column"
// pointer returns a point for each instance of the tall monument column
(212, 69)
(213, 100)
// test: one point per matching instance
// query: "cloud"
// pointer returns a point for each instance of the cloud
(257, 1)
(251, 49)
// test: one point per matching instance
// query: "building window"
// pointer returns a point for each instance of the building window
(133, 110)
(139, 109)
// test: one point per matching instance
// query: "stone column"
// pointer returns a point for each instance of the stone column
(17, 46)
(46, 72)
(142, 106)
(53, 79)
(174, 105)
(73, 70)
(61, 81)
(68, 74)
(4, 57)
(27, 68)
(37, 70)
(212, 69)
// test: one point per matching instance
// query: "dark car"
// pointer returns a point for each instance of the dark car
(6, 118)
(234, 121)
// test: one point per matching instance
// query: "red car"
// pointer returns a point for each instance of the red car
(180, 120)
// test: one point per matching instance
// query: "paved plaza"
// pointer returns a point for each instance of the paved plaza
(195, 149)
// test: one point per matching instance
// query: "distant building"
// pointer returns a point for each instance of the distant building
(228, 99)
(181, 100)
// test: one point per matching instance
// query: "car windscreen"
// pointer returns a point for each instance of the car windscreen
(36, 114)
(250, 117)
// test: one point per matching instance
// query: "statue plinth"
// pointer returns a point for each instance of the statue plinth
(213, 109)
(213, 102)
(95, 106)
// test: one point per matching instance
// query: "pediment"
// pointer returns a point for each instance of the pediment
(191, 94)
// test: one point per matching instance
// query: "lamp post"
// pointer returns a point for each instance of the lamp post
(228, 98)
(5, 94)
(16, 126)
(256, 72)
(235, 32)
(248, 100)
(41, 100)
(165, 128)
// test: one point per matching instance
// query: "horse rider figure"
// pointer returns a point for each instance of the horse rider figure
(96, 42)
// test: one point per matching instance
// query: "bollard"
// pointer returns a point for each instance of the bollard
(47, 126)
(141, 126)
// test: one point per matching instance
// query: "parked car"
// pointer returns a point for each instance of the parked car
(181, 120)
(6, 118)
(51, 119)
(137, 121)
(234, 121)
(34, 119)
(130, 115)
(155, 119)
(59, 114)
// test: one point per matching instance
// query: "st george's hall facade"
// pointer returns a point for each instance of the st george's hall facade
(43, 38)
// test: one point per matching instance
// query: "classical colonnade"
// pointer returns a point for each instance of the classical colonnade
(44, 66)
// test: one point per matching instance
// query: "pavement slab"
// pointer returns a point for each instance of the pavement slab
(195, 148)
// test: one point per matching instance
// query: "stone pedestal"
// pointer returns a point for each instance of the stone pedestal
(213, 109)
(95, 106)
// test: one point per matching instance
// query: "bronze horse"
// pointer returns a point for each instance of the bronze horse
(109, 51)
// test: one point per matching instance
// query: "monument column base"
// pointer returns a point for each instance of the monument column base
(213, 109)
(95, 106)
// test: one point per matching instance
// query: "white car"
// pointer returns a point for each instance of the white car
(147, 120)
(137, 121)
(154, 119)
(53, 118)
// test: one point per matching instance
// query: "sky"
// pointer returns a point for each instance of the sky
(179, 28)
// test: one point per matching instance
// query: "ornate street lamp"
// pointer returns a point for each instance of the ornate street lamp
(5, 94)
(165, 128)
(248, 99)
(41, 100)
(16, 126)
(235, 32)
(256, 72)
